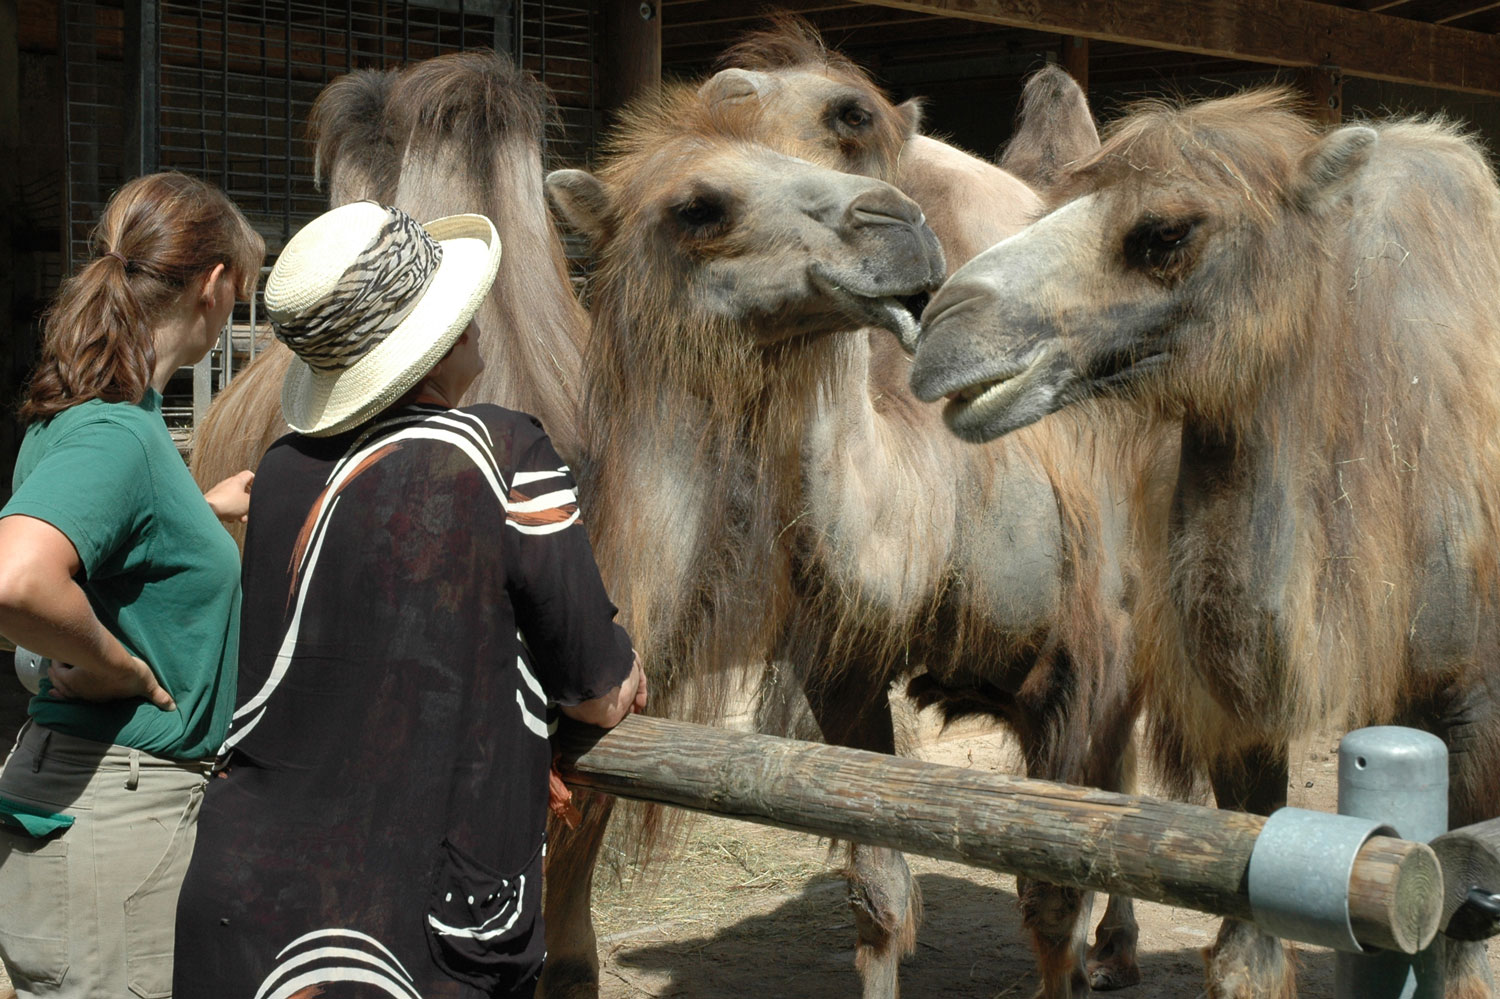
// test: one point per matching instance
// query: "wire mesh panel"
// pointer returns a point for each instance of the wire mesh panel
(556, 44)
(93, 44)
(239, 78)
(233, 81)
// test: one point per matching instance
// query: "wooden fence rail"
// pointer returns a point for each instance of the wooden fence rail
(1183, 855)
(1470, 858)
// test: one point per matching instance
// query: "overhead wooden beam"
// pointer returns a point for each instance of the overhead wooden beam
(1469, 10)
(1278, 32)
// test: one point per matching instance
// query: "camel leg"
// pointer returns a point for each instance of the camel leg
(1058, 919)
(1244, 962)
(1112, 962)
(1464, 716)
(572, 968)
(1060, 713)
(1466, 970)
(853, 711)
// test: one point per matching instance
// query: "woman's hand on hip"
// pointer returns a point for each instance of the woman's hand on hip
(131, 679)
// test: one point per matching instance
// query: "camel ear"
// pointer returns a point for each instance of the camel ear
(1054, 128)
(733, 85)
(910, 114)
(1332, 166)
(580, 198)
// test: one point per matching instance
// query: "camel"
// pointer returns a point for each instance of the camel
(797, 468)
(829, 111)
(459, 133)
(1316, 309)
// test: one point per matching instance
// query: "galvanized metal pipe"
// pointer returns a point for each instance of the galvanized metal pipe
(1399, 777)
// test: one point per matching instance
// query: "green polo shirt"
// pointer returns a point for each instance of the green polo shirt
(159, 569)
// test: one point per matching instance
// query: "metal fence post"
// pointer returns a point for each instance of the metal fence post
(1398, 776)
(203, 389)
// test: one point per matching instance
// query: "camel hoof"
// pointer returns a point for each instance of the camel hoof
(1072, 987)
(568, 979)
(1112, 961)
(1107, 976)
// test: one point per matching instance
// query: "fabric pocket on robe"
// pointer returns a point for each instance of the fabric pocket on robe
(481, 926)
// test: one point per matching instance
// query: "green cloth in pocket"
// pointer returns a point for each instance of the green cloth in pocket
(31, 820)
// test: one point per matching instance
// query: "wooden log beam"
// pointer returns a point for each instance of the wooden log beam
(1324, 87)
(1183, 855)
(631, 51)
(1279, 32)
(1470, 858)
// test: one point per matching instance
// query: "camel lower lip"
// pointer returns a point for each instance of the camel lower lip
(886, 312)
(972, 394)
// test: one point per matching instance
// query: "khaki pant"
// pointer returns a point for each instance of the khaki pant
(88, 912)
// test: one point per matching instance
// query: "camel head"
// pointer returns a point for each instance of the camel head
(697, 225)
(823, 106)
(1176, 272)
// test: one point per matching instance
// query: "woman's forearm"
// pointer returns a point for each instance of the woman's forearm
(42, 607)
(54, 618)
(609, 708)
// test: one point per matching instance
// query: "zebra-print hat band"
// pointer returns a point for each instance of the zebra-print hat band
(372, 297)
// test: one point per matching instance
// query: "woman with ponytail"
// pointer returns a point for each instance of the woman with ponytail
(115, 567)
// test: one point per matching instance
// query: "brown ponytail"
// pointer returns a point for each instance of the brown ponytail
(158, 234)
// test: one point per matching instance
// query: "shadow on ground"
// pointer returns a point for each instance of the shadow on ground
(970, 945)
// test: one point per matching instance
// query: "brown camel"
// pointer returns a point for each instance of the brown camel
(721, 265)
(1318, 312)
(832, 113)
(794, 469)
(459, 133)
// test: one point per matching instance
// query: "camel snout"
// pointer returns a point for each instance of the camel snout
(883, 205)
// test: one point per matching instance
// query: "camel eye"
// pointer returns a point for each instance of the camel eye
(1156, 243)
(700, 214)
(855, 116)
(1168, 235)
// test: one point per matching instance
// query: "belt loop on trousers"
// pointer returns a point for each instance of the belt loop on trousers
(134, 780)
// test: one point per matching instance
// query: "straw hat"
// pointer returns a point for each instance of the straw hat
(370, 300)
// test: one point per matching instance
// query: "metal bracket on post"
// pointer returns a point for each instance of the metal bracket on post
(1400, 776)
(1299, 875)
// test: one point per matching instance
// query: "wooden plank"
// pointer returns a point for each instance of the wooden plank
(631, 52)
(1279, 32)
(1075, 59)
(1324, 87)
(1470, 858)
(1184, 855)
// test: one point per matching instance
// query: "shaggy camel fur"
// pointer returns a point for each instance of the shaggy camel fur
(459, 133)
(832, 113)
(1318, 312)
(721, 263)
(796, 468)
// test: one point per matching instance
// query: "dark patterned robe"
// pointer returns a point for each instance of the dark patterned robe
(416, 592)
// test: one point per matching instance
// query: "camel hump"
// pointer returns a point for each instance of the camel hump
(353, 149)
(478, 97)
(1054, 128)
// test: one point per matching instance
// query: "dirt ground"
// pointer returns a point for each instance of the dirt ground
(747, 910)
(751, 910)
